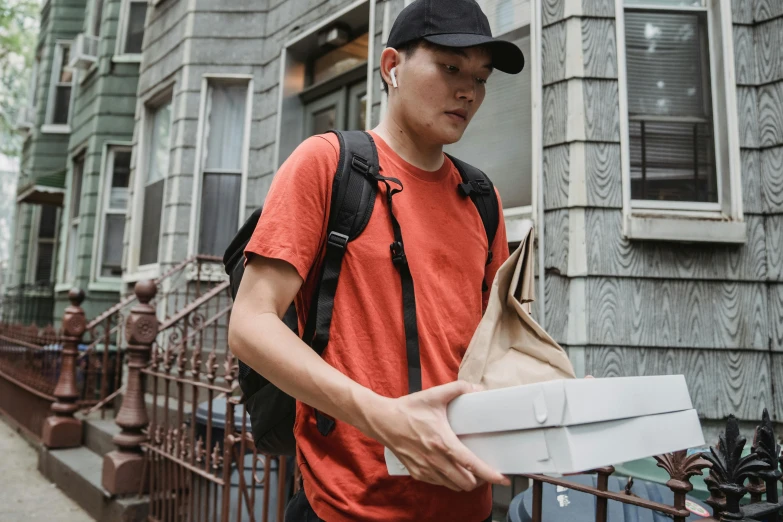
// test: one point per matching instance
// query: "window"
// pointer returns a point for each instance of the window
(499, 138)
(115, 205)
(223, 158)
(680, 135)
(97, 14)
(74, 207)
(131, 31)
(59, 107)
(671, 138)
(45, 243)
(157, 150)
(324, 84)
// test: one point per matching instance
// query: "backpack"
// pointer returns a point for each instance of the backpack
(271, 411)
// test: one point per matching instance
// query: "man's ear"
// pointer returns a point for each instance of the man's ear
(390, 58)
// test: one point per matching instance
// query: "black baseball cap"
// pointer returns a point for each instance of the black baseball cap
(454, 23)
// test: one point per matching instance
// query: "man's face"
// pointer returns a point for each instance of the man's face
(441, 89)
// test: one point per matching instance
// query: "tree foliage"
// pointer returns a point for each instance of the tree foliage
(19, 22)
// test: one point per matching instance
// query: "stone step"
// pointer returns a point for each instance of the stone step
(77, 472)
(98, 434)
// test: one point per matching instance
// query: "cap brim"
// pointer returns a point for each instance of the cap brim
(506, 56)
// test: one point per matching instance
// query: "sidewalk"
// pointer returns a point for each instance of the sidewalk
(24, 493)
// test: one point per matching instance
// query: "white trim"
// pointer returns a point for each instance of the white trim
(68, 221)
(38, 188)
(577, 243)
(106, 170)
(126, 58)
(103, 286)
(719, 222)
(32, 244)
(575, 64)
(575, 125)
(51, 128)
(198, 171)
(576, 333)
(577, 176)
(61, 288)
(386, 27)
(279, 123)
(537, 148)
(687, 230)
(663, 7)
(339, 14)
(515, 218)
(370, 68)
(141, 273)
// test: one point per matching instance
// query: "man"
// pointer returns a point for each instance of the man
(439, 56)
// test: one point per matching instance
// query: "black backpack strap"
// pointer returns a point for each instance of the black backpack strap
(478, 187)
(353, 200)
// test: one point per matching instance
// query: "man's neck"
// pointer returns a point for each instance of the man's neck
(410, 147)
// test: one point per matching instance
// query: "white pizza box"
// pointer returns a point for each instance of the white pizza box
(573, 425)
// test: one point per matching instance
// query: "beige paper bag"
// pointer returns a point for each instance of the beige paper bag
(509, 348)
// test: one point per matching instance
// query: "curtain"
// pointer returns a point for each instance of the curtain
(225, 129)
(224, 137)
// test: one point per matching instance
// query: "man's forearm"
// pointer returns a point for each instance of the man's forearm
(266, 344)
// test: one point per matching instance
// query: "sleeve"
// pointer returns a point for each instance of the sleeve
(294, 221)
(499, 251)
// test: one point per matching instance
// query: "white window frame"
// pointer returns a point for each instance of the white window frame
(99, 282)
(58, 128)
(136, 271)
(35, 240)
(198, 172)
(92, 22)
(720, 222)
(120, 56)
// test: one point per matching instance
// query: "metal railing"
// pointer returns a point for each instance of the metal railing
(742, 488)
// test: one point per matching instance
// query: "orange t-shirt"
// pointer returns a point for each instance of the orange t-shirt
(345, 475)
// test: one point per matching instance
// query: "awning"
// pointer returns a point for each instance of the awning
(41, 195)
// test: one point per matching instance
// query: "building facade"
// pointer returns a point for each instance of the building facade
(73, 192)
(644, 138)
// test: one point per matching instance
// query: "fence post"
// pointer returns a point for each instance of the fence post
(62, 429)
(123, 471)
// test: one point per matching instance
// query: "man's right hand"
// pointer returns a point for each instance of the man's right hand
(416, 429)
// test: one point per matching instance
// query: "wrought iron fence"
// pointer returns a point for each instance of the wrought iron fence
(742, 488)
(201, 460)
(28, 304)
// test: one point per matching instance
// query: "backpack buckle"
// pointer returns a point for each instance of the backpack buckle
(360, 164)
(398, 254)
(480, 186)
(338, 240)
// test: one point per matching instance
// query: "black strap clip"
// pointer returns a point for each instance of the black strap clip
(398, 254)
(338, 240)
(479, 186)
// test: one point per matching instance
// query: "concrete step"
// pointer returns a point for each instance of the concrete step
(77, 472)
(98, 434)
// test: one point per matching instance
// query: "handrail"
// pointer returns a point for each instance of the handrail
(192, 306)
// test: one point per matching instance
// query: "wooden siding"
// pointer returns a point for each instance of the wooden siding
(712, 312)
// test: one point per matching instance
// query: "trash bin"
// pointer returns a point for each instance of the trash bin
(561, 504)
(218, 435)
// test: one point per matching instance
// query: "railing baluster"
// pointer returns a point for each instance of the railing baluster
(123, 468)
(63, 430)
(601, 503)
(538, 493)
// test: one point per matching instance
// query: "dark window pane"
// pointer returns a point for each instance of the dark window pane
(668, 64)
(150, 222)
(118, 196)
(43, 266)
(112, 245)
(324, 120)
(76, 186)
(48, 225)
(672, 161)
(66, 73)
(135, 33)
(219, 212)
(62, 101)
(96, 17)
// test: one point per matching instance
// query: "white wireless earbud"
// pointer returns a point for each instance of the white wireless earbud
(393, 73)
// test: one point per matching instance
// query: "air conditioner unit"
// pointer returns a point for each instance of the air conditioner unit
(84, 51)
(25, 119)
